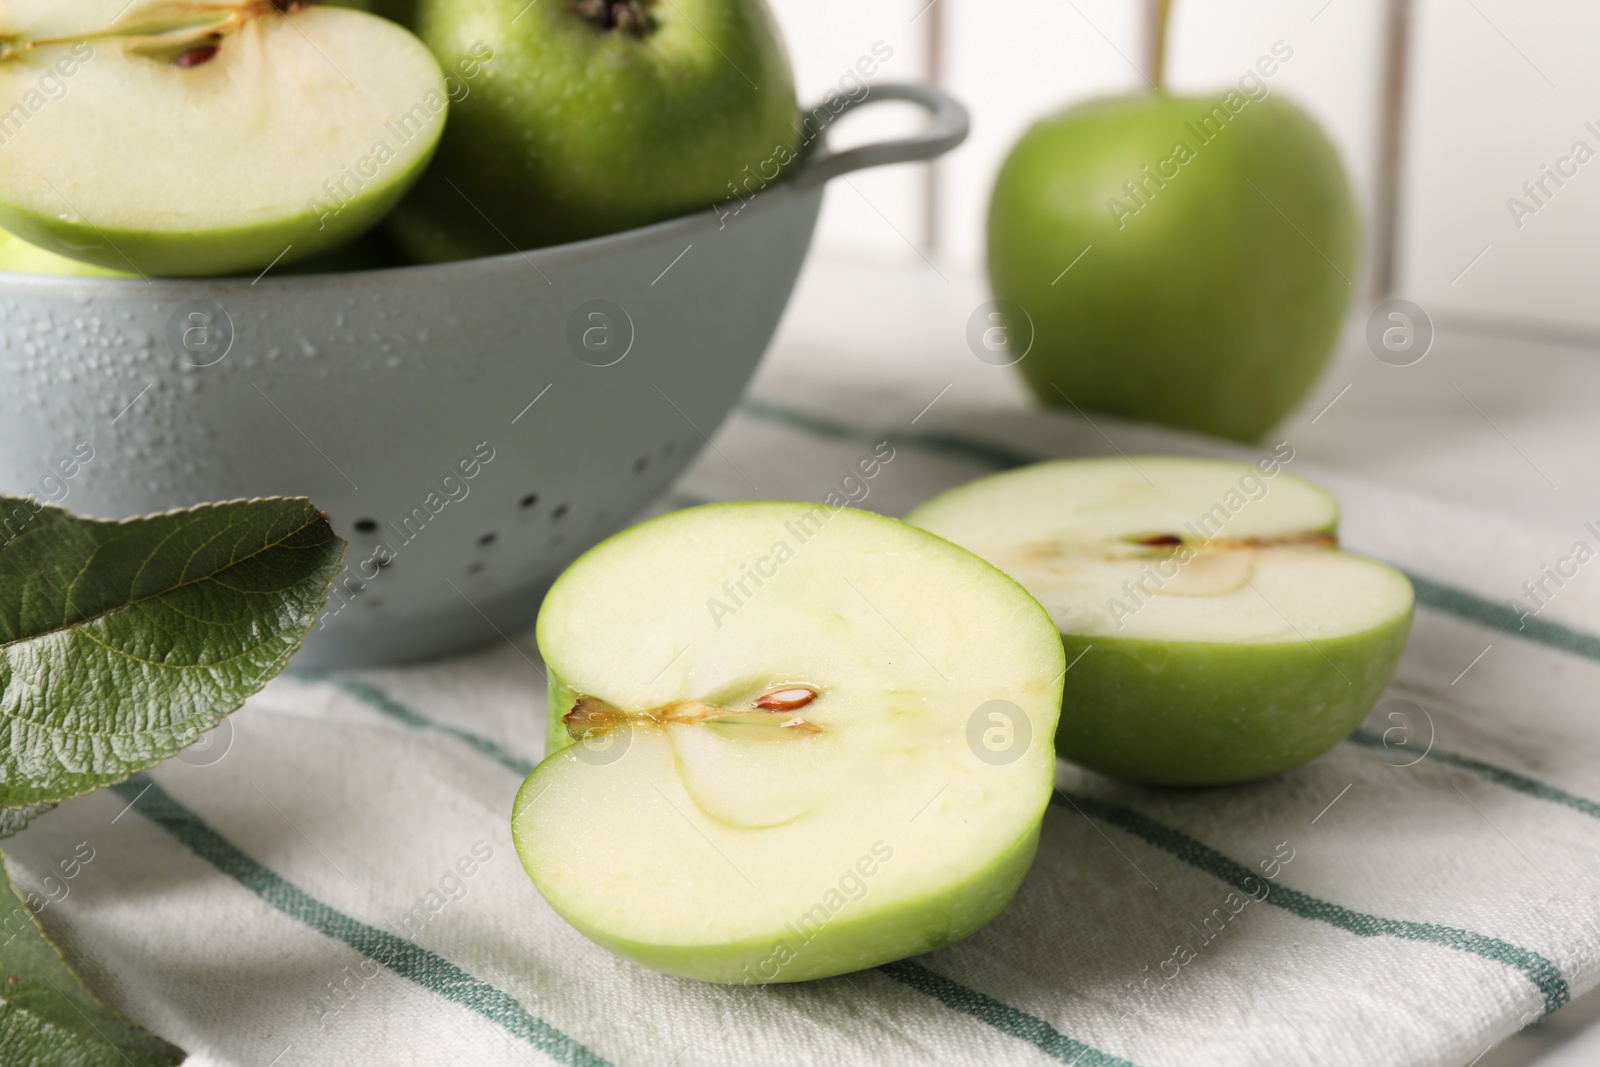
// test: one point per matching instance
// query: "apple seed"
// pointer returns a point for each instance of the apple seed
(791, 699)
(194, 57)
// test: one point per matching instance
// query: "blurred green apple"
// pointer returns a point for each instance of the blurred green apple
(571, 120)
(1219, 248)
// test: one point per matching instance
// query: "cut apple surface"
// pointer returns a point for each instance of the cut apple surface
(1216, 631)
(195, 137)
(788, 741)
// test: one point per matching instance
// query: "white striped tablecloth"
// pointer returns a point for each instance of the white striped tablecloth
(335, 882)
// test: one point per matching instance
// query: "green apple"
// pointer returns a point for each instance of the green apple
(1215, 630)
(798, 741)
(19, 257)
(573, 120)
(197, 137)
(1219, 245)
(366, 253)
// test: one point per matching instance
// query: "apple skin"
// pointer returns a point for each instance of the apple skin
(560, 130)
(19, 257)
(364, 254)
(1217, 714)
(233, 250)
(1206, 308)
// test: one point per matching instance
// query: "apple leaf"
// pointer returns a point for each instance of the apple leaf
(47, 1017)
(122, 642)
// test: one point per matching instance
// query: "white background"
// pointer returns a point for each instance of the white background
(1496, 89)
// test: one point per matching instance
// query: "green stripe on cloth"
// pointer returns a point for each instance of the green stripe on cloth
(1499, 775)
(1544, 974)
(957, 445)
(380, 700)
(952, 994)
(1503, 617)
(405, 958)
(1001, 1016)
(1431, 593)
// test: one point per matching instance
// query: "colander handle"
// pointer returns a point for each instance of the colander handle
(947, 128)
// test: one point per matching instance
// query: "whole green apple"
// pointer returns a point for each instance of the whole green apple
(573, 120)
(1214, 631)
(1219, 246)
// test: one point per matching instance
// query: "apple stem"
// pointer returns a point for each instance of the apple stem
(629, 16)
(1162, 18)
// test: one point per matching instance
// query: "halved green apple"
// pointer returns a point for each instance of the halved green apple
(790, 741)
(198, 137)
(1217, 633)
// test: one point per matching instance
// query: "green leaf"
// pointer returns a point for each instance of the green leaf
(122, 642)
(47, 1017)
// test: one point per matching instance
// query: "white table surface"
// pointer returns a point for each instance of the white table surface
(1508, 424)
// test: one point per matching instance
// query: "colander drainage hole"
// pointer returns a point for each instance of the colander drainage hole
(366, 526)
(559, 512)
(640, 464)
(530, 500)
(487, 539)
(475, 568)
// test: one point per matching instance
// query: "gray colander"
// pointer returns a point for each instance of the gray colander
(470, 427)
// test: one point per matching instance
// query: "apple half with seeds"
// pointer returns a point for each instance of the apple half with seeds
(1216, 632)
(788, 741)
(201, 137)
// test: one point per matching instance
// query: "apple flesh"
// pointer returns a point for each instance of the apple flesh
(573, 120)
(760, 767)
(200, 137)
(1215, 274)
(1217, 633)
